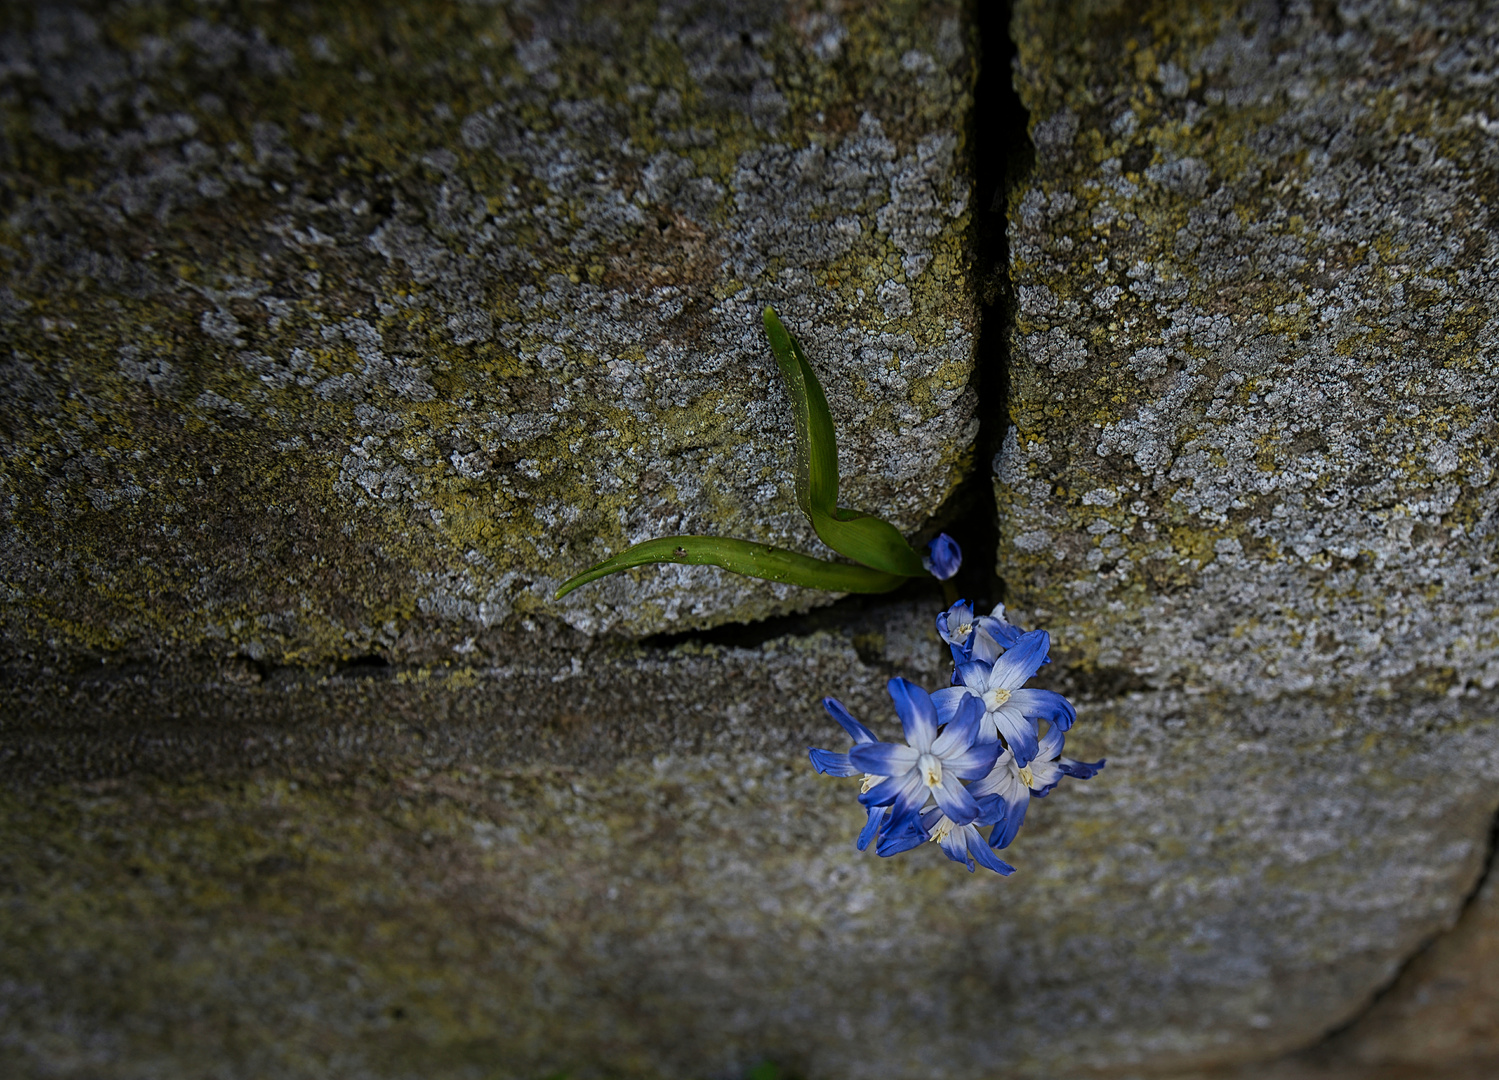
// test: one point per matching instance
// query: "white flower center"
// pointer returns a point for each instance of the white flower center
(1027, 778)
(870, 780)
(943, 828)
(931, 769)
(993, 699)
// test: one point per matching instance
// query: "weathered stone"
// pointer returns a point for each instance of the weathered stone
(564, 851)
(358, 328)
(1444, 1010)
(1256, 348)
(622, 858)
(1251, 465)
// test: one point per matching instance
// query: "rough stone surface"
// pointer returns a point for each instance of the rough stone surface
(1444, 1011)
(561, 850)
(347, 328)
(621, 861)
(1255, 356)
(1257, 347)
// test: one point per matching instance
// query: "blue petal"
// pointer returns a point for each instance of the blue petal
(1022, 661)
(1045, 705)
(992, 809)
(973, 763)
(946, 700)
(918, 716)
(883, 759)
(1018, 732)
(961, 654)
(943, 557)
(1083, 770)
(999, 631)
(831, 764)
(908, 801)
(962, 728)
(1050, 744)
(975, 675)
(954, 800)
(1015, 808)
(884, 793)
(988, 860)
(893, 842)
(857, 731)
(955, 846)
(871, 827)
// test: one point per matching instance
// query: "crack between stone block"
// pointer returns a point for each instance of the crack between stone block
(1000, 156)
(1324, 1051)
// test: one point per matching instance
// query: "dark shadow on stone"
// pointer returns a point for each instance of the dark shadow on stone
(371, 666)
(849, 613)
(1002, 157)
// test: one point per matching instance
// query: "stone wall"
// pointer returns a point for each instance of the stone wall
(1249, 481)
(337, 335)
(348, 329)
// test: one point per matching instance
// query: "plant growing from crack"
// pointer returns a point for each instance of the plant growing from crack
(882, 559)
(974, 752)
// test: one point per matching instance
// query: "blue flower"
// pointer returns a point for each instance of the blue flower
(943, 557)
(975, 754)
(976, 637)
(955, 625)
(832, 764)
(1014, 784)
(931, 766)
(1010, 712)
(993, 634)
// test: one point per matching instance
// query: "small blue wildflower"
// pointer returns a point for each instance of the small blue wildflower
(831, 764)
(975, 754)
(1010, 712)
(932, 766)
(976, 637)
(1014, 784)
(943, 557)
(955, 625)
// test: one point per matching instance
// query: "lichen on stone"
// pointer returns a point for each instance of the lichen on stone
(1255, 348)
(359, 329)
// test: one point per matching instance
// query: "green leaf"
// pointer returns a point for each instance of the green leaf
(743, 557)
(858, 536)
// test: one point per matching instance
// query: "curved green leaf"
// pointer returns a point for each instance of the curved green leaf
(858, 536)
(742, 557)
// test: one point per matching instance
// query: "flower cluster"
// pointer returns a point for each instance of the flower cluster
(975, 752)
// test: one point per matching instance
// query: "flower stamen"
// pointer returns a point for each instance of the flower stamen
(993, 699)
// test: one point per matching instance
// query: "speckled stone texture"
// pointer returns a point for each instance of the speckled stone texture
(597, 860)
(618, 859)
(1257, 348)
(528, 846)
(1256, 271)
(340, 328)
